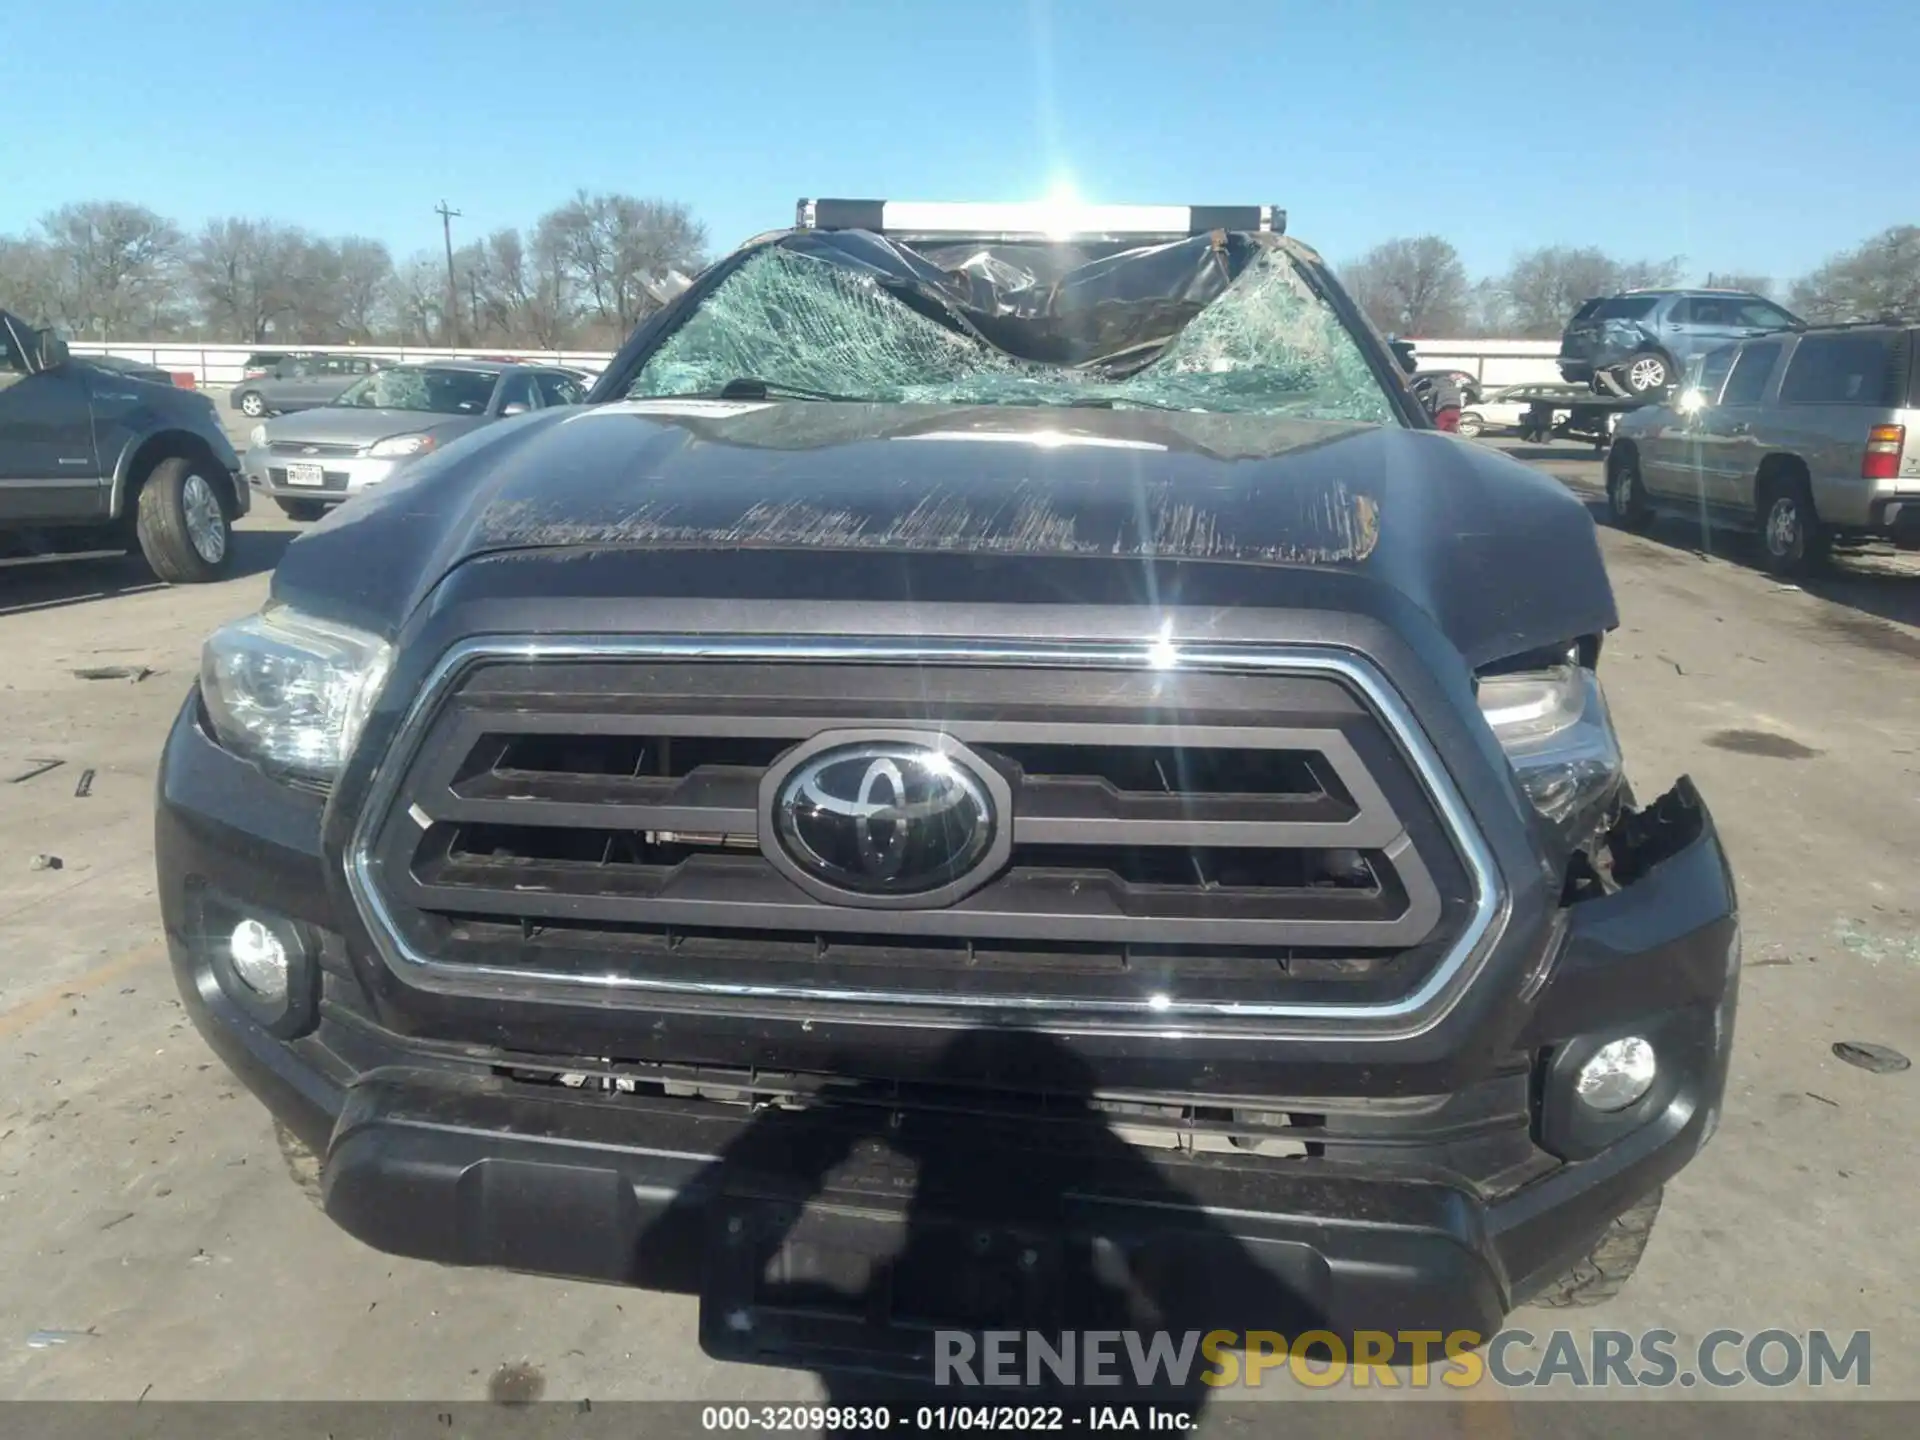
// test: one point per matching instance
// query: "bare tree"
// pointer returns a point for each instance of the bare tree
(611, 245)
(1542, 288)
(364, 273)
(1648, 274)
(1879, 279)
(417, 296)
(116, 268)
(1739, 280)
(237, 272)
(29, 281)
(518, 295)
(1489, 312)
(1411, 286)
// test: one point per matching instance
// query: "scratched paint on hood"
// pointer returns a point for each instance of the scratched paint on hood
(1326, 526)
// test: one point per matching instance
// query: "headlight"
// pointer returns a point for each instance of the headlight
(1554, 726)
(291, 691)
(395, 446)
(257, 436)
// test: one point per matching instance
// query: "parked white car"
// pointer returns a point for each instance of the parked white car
(1493, 412)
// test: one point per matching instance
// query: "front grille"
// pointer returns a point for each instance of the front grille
(314, 449)
(332, 479)
(1179, 838)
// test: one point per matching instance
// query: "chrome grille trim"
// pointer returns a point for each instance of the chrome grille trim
(1409, 1013)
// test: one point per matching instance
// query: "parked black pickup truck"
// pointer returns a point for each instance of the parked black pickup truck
(982, 781)
(92, 452)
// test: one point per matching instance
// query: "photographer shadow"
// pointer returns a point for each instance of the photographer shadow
(876, 1237)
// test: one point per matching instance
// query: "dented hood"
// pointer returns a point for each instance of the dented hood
(1501, 556)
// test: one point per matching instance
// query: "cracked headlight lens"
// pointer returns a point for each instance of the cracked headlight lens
(1553, 724)
(291, 691)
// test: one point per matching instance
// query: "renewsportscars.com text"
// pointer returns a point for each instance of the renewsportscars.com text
(1459, 1359)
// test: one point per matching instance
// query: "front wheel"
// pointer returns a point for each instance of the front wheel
(303, 1166)
(1627, 501)
(253, 405)
(181, 525)
(1470, 423)
(1609, 1264)
(1647, 374)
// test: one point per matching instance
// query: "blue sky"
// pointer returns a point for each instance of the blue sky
(1757, 135)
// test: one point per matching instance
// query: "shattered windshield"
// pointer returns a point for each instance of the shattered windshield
(850, 328)
(411, 387)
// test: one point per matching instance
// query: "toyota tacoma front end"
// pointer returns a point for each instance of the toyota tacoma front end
(1067, 800)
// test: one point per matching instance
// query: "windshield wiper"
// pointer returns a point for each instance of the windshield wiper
(751, 387)
(1108, 402)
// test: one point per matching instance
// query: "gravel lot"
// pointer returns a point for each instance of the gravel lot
(144, 1201)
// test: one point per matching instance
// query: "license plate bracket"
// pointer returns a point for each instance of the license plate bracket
(836, 1286)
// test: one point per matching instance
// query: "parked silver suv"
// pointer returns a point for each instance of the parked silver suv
(1809, 437)
(301, 382)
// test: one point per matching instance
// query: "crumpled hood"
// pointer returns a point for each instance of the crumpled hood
(1500, 555)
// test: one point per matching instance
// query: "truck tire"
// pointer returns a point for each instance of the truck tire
(1627, 502)
(1611, 1262)
(181, 525)
(1793, 542)
(303, 1166)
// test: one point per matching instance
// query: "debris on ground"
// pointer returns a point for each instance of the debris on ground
(47, 1339)
(46, 862)
(1880, 1059)
(34, 767)
(85, 787)
(135, 673)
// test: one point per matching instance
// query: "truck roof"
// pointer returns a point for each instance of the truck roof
(1033, 220)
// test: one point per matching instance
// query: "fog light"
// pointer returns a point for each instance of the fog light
(1619, 1073)
(259, 959)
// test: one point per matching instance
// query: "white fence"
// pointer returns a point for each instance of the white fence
(1495, 362)
(223, 365)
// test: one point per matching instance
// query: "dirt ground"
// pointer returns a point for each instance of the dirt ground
(142, 1200)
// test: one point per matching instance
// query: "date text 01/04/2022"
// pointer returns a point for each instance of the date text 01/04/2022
(776, 1419)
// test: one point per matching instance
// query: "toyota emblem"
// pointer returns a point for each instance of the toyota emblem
(893, 819)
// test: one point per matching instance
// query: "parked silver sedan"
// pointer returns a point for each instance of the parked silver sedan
(319, 458)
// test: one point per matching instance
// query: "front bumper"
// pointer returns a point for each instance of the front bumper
(436, 1149)
(344, 476)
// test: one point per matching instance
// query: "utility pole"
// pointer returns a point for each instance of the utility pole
(453, 293)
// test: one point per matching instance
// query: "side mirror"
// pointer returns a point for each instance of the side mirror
(53, 350)
(514, 409)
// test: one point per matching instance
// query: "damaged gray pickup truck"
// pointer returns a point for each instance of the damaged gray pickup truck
(991, 778)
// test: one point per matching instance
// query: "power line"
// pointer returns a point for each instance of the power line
(447, 218)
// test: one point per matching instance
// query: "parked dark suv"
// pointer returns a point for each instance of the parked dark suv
(984, 780)
(1641, 341)
(95, 456)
